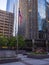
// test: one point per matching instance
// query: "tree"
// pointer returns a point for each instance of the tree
(21, 42)
(3, 41)
(12, 42)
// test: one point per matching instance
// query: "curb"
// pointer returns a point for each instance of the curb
(9, 60)
(38, 56)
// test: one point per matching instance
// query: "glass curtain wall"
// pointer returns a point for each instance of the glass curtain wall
(41, 13)
(41, 18)
(12, 6)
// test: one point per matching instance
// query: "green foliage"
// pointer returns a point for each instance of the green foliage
(21, 42)
(12, 41)
(3, 41)
(7, 41)
(35, 53)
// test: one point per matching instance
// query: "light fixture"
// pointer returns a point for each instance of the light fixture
(48, 21)
(30, 10)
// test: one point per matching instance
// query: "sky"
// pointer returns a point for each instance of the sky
(47, 0)
(41, 6)
(3, 4)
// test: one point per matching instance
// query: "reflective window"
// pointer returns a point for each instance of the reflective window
(41, 13)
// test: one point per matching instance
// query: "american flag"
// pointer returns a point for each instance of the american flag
(20, 17)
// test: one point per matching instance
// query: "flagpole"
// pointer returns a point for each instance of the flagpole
(16, 19)
(17, 22)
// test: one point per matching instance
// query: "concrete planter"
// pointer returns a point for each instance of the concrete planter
(7, 56)
(41, 56)
(21, 52)
(9, 60)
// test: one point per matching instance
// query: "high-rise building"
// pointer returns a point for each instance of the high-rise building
(23, 17)
(12, 6)
(47, 19)
(6, 23)
(39, 22)
(29, 11)
(42, 31)
(41, 18)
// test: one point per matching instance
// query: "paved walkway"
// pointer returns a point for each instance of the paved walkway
(7, 53)
(29, 61)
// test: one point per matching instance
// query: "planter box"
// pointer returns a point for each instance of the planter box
(9, 60)
(7, 56)
(38, 56)
(21, 52)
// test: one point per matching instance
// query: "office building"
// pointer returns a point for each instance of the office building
(39, 22)
(29, 11)
(12, 6)
(47, 19)
(23, 16)
(6, 23)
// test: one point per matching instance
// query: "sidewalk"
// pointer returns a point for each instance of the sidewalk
(29, 61)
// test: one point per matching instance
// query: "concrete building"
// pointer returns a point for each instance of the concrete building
(23, 12)
(29, 11)
(6, 23)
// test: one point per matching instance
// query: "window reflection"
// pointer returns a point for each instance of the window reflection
(41, 13)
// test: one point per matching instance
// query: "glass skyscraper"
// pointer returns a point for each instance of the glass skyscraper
(12, 6)
(41, 13)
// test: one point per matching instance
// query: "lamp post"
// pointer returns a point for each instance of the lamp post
(46, 26)
(47, 46)
(46, 41)
(33, 44)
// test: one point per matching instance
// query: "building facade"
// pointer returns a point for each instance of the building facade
(29, 11)
(12, 6)
(39, 22)
(23, 13)
(6, 23)
(47, 19)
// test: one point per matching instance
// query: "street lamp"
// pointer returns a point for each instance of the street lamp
(33, 44)
(46, 41)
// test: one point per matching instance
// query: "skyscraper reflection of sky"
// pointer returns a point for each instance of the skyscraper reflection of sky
(12, 6)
